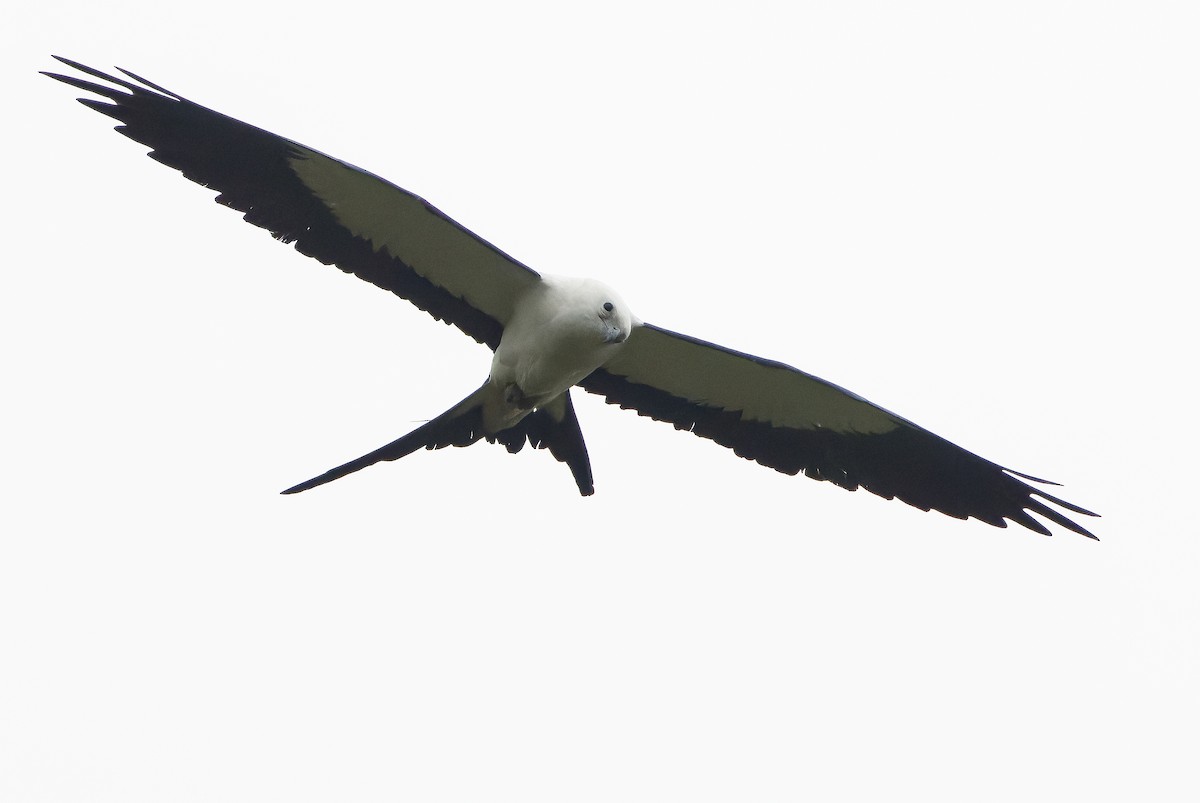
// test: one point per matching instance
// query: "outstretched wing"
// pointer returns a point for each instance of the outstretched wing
(333, 211)
(793, 422)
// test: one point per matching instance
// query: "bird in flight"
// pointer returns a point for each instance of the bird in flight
(550, 333)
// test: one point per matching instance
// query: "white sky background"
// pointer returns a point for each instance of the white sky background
(983, 218)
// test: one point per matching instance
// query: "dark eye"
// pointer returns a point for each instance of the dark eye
(608, 306)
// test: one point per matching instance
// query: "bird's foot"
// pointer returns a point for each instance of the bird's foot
(514, 396)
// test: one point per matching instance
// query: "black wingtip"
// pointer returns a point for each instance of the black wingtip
(1031, 478)
(92, 71)
(150, 84)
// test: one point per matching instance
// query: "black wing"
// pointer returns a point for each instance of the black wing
(794, 422)
(333, 211)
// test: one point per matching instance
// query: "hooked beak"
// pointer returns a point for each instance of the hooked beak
(613, 334)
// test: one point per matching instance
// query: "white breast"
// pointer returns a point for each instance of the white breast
(557, 336)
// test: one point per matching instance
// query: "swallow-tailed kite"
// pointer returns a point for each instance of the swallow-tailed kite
(550, 333)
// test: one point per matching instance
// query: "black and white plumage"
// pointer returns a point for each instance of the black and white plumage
(551, 333)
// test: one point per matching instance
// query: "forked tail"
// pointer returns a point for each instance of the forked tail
(461, 425)
(552, 427)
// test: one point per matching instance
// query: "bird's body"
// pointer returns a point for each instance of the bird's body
(550, 333)
(560, 330)
(559, 333)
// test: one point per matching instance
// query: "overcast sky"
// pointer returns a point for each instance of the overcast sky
(981, 217)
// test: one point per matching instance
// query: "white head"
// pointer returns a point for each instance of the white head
(560, 331)
(593, 308)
